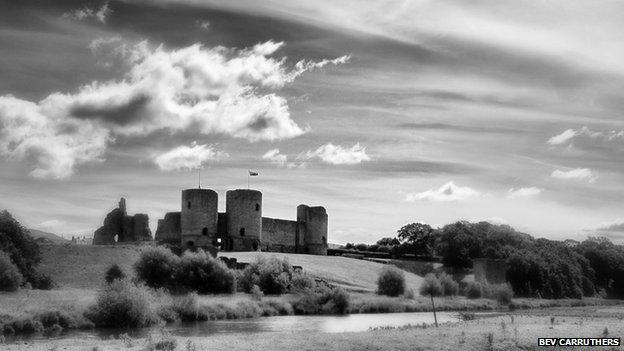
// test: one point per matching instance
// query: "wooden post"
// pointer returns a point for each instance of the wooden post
(435, 318)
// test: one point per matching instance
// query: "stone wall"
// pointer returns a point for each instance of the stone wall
(168, 230)
(314, 220)
(198, 219)
(119, 227)
(279, 235)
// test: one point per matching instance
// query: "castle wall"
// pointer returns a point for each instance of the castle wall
(119, 227)
(244, 219)
(168, 230)
(279, 235)
(198, 219)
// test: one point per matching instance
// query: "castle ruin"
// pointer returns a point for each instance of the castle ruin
(120, 227)
(241, 227)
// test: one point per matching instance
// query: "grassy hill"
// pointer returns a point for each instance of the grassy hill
(83, 266)
(44, 237)
(351, 274)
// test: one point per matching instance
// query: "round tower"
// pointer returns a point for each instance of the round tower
(244, 219)
(198, 218)
(312, 221)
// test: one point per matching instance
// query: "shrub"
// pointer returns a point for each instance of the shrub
(502, 293)
(473, 290)
(200, 272)
(272, 275)
(16, 242)
(122, 304)
(449, 286)
(10, 276)
(60, 318)
(391, 282)
(188, 309)
(256, 293)
(323, 301)
(114, 272)
(301, 282)
(41, 281)
(431, 286)
(156, 267)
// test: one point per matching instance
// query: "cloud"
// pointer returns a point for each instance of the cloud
(84, 13)
(567, 136)
(447, 192)
(613, 230)
(205, 25)
(187, 157)
(275, 157)
(53, 223)
(562, 138)
(337, 155)
(194, 89)
(56, 145)
(575, 174)
(523, 192)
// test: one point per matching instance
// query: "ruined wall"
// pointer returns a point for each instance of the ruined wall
(244, 219)
(119, 227)
(315, 229)
(198, 218)
(279, 235)
(489, 270)
(168, 230)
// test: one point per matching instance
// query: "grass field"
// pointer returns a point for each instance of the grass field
(351, 274)
(83, 266)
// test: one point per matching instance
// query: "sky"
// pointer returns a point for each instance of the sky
(385, 112)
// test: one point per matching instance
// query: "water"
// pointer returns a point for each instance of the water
(311, 324)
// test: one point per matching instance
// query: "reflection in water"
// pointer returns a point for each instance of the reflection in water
(327, 324)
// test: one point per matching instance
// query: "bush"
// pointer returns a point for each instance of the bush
(301, 282)
(41, 281)
(272, 275)
(322, 301)
(122, 304)
(473, 290)
(391, 282)
(502, 293)
(156, 267)
(449, 286)
(114, 272)
(188, 309)
(16, 242)
(200, 272)
(431, 286)
(10, 276)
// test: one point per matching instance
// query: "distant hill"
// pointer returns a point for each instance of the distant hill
(46, 237)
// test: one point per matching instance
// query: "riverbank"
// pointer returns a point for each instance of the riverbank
(517, 330)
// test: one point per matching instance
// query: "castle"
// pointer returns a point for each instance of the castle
(240, 228)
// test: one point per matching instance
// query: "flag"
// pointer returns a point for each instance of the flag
(253, 174)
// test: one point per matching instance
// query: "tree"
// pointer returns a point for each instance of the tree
(388, 242)
(419, 237)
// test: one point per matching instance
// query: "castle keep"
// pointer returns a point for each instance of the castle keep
(241, 227)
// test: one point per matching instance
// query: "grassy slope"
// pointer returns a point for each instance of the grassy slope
(83, 266)
(352, 274)
(40, 234)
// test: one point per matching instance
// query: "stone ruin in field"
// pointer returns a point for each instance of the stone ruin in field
(120, 227)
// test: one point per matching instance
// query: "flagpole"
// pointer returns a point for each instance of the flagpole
(248, 175)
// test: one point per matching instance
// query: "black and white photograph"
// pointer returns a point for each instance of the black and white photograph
(189, 175)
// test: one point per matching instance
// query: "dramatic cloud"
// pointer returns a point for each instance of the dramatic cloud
(337, 155)
(523, 192)
(53, 143)
(447, 192)
(192, 89)
(85, 13)
(568, 135)
(575, 174)
(275, 157)
(613, 230)
(185, 157)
